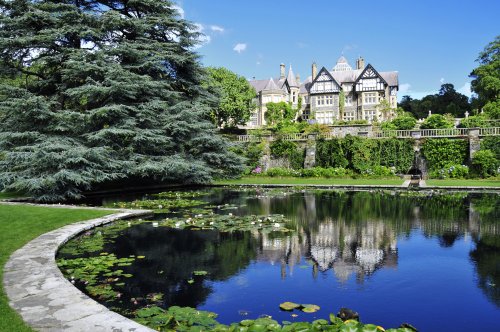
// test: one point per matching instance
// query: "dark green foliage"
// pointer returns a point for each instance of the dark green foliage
(330, 153)
(486, 82)
(278, 112)
(446, 101)
(444, 152)
(491, 143)
(363, 154)
(485, 163)
(436, 121)
(112, 93)
(288, 150)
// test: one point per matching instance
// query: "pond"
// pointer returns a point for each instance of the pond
(429, 259)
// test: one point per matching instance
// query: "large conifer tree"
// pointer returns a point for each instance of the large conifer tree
(110, 94)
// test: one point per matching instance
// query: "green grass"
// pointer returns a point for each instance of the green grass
(308, 181)
(4, 195)
(463, 183)
(20, 224)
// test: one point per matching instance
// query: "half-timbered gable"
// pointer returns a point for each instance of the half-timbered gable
(324, 83)
(363, 88)
(370, 80)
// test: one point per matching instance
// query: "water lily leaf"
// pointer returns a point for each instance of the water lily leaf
(289, 306)
(310, 308)
(370, 328)
(200, 273)
(246, 322)
(141, 257)
(190, 281)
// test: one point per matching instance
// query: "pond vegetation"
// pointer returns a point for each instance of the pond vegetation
(190, 269)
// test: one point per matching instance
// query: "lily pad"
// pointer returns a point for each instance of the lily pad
(200, 273)
(289, 306)
(310, 308)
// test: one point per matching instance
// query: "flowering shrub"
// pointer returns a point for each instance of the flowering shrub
(451, 171)
(379, 171)
(257, 170)
(329, 172)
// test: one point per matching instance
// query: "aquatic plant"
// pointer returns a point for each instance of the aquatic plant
(230, 223)
(158, 205)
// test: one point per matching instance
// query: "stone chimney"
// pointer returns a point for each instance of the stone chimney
(282, 70)
(360, 63)
(314, 71)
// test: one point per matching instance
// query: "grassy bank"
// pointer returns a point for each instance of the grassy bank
(5, 195)
(463, 183)
(395, 181)
(20, 224)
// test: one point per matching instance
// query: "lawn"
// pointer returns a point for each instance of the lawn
(20, 224)
(312, 181)
(4, 195)
(463, 183)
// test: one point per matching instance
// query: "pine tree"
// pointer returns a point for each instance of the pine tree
(111, 95)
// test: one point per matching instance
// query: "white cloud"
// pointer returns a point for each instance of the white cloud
(442, 80)
(258, 63)
(406, 90)
(217, 28)
(465, 89)
(240, 47)
(180, 10)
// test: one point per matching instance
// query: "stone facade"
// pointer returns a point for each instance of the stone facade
(368, 94)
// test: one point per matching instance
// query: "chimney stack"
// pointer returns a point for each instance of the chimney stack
(360, 63)
(314, 71)
(282, 70)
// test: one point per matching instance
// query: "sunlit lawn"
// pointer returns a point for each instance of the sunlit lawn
(393, 181)
(20, 224)
(464, 183)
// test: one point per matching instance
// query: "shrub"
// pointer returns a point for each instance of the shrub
(329, 172)
(485, 163)
(404, 122)
(379, 171)
(474, 122)
(436, 121)
(280, 171)
(451, 171)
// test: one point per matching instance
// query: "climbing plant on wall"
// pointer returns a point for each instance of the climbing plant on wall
(442, 152)
(289, 150)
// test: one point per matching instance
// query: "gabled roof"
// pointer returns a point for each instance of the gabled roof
(271, 85)
(327, 73)
(262, 85)
(367, 68)
(292, 82)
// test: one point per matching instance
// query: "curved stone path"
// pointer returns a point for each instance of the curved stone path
(46, 300)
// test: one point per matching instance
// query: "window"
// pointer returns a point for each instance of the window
(294, 97)
(348, 116)
(370, 115)
(370, 83)
(348, 100)
(370, 98)
(324, 100)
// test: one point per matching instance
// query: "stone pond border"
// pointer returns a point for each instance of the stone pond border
(47, 301)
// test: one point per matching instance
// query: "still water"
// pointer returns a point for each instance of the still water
(432, 260)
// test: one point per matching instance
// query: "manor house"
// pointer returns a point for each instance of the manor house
(364, 90)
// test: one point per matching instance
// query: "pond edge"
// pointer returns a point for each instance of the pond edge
(44, 298)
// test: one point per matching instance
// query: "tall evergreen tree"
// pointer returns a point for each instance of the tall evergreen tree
(112, 95)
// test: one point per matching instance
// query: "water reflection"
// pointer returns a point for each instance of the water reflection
(347, 237)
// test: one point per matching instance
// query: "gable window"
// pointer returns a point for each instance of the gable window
(370, 98)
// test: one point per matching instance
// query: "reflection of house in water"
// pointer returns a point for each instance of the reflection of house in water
(353, 249)
(357, 249)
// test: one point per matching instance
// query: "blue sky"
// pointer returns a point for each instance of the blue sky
(427, 42)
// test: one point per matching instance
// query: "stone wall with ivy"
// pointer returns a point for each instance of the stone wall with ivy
(360, 154)
(444, 152)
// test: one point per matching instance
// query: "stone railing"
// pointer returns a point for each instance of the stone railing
(415, 133)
